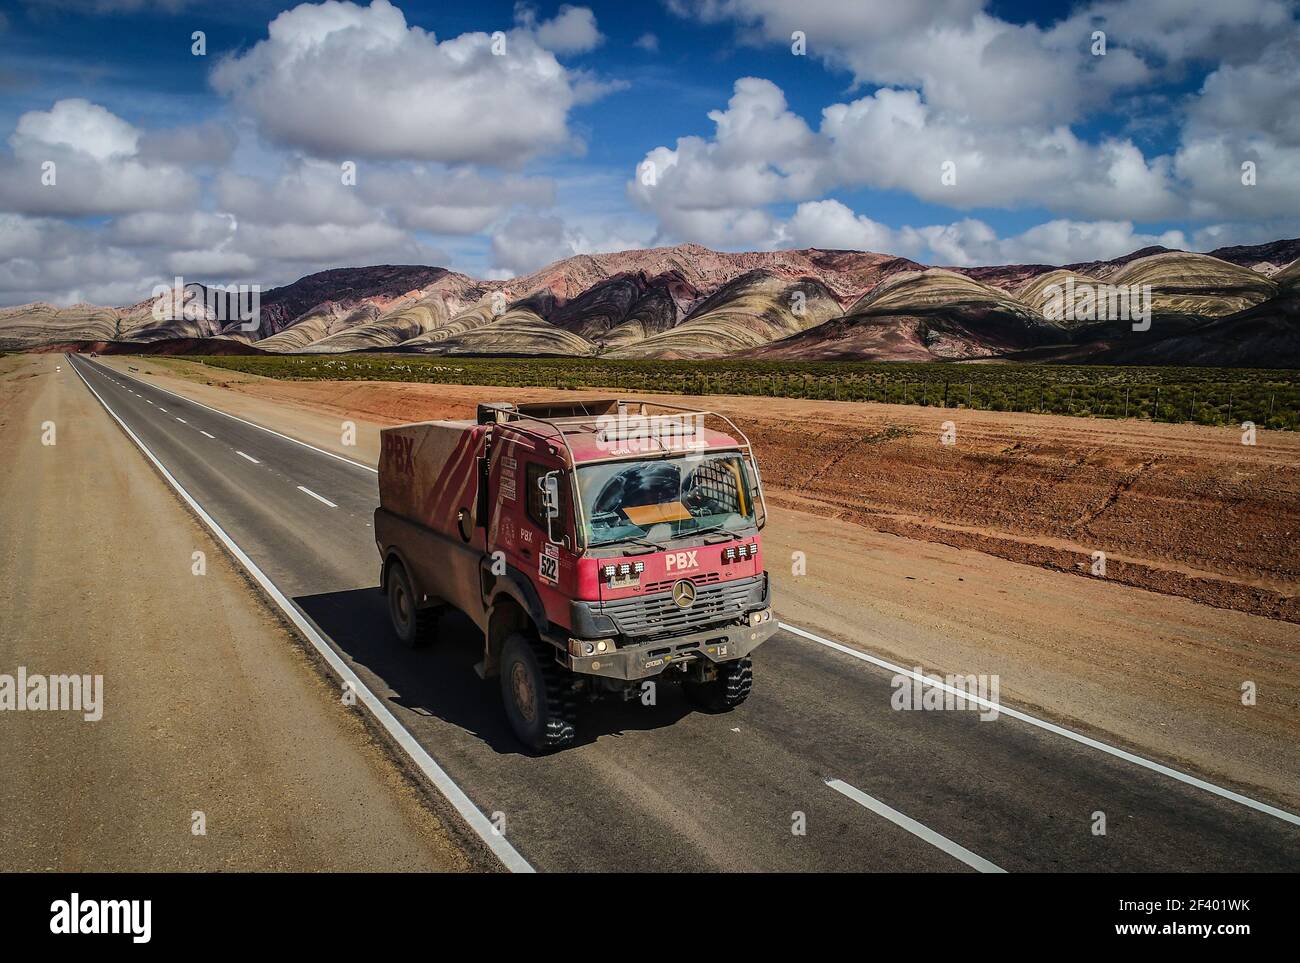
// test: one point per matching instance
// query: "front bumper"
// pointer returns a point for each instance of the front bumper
(643, 649)
(721, 643)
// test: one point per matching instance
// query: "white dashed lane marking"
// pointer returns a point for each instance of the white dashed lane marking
(323, 501)
(918, 830)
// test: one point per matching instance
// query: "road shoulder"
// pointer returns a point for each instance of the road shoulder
(214, 717)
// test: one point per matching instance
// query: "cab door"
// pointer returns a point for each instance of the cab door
(519, 529)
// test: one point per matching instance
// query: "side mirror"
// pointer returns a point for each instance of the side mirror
(756, 495)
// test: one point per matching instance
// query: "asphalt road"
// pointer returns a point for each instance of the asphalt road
(817, 747)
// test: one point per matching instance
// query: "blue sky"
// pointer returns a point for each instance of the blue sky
(950, 131)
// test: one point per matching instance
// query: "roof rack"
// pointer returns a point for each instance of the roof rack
(703, 412)
(503, 412)
(577, 413)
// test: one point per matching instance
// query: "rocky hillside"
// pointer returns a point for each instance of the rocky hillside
(345, 288)
(1232, 306)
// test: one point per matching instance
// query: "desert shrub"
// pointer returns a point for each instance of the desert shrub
(1209, 396)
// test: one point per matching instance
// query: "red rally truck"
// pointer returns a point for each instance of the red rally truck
(600, 547)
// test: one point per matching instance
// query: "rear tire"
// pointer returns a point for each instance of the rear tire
(731, 688)
(537, 695)
(414, 626)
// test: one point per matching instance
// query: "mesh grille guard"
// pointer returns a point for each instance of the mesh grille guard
(654, 616)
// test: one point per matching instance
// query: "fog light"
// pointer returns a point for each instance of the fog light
(581, 647)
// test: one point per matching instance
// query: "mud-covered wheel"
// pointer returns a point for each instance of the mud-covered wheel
(731, 688)
(414, 626)
(538, 700)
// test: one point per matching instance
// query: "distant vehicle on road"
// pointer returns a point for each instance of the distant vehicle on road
(601, 547)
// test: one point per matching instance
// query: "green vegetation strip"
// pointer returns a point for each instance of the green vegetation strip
(1206, 396)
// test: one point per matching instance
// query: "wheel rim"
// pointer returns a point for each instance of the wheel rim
(402, 604)
(521, 685)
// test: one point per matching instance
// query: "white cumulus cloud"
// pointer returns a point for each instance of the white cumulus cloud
(340, 80)
(78, 158)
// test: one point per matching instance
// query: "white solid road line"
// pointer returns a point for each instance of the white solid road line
(479, 823)
(202, 432)
(324, 501)
(253, 424)
(916, 829)
(249, 457)
(1052, 727)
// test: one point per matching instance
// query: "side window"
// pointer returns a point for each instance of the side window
(719, 485)
(532, 479)
(533, 474)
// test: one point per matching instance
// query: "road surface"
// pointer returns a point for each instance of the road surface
(815, 772)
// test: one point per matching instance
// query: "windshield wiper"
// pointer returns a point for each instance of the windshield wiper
(633, 539)
(711, 530)
(648, 543)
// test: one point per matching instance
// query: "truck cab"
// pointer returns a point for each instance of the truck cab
(616, 546)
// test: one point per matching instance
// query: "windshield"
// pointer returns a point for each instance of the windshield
(663, 498)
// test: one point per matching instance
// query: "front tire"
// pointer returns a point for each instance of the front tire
(537, 697)
(730, 689)
(414, 626)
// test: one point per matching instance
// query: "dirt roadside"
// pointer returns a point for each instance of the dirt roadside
(209, 704)
(1157, 673)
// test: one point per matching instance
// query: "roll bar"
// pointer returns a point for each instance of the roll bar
(580, 415)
